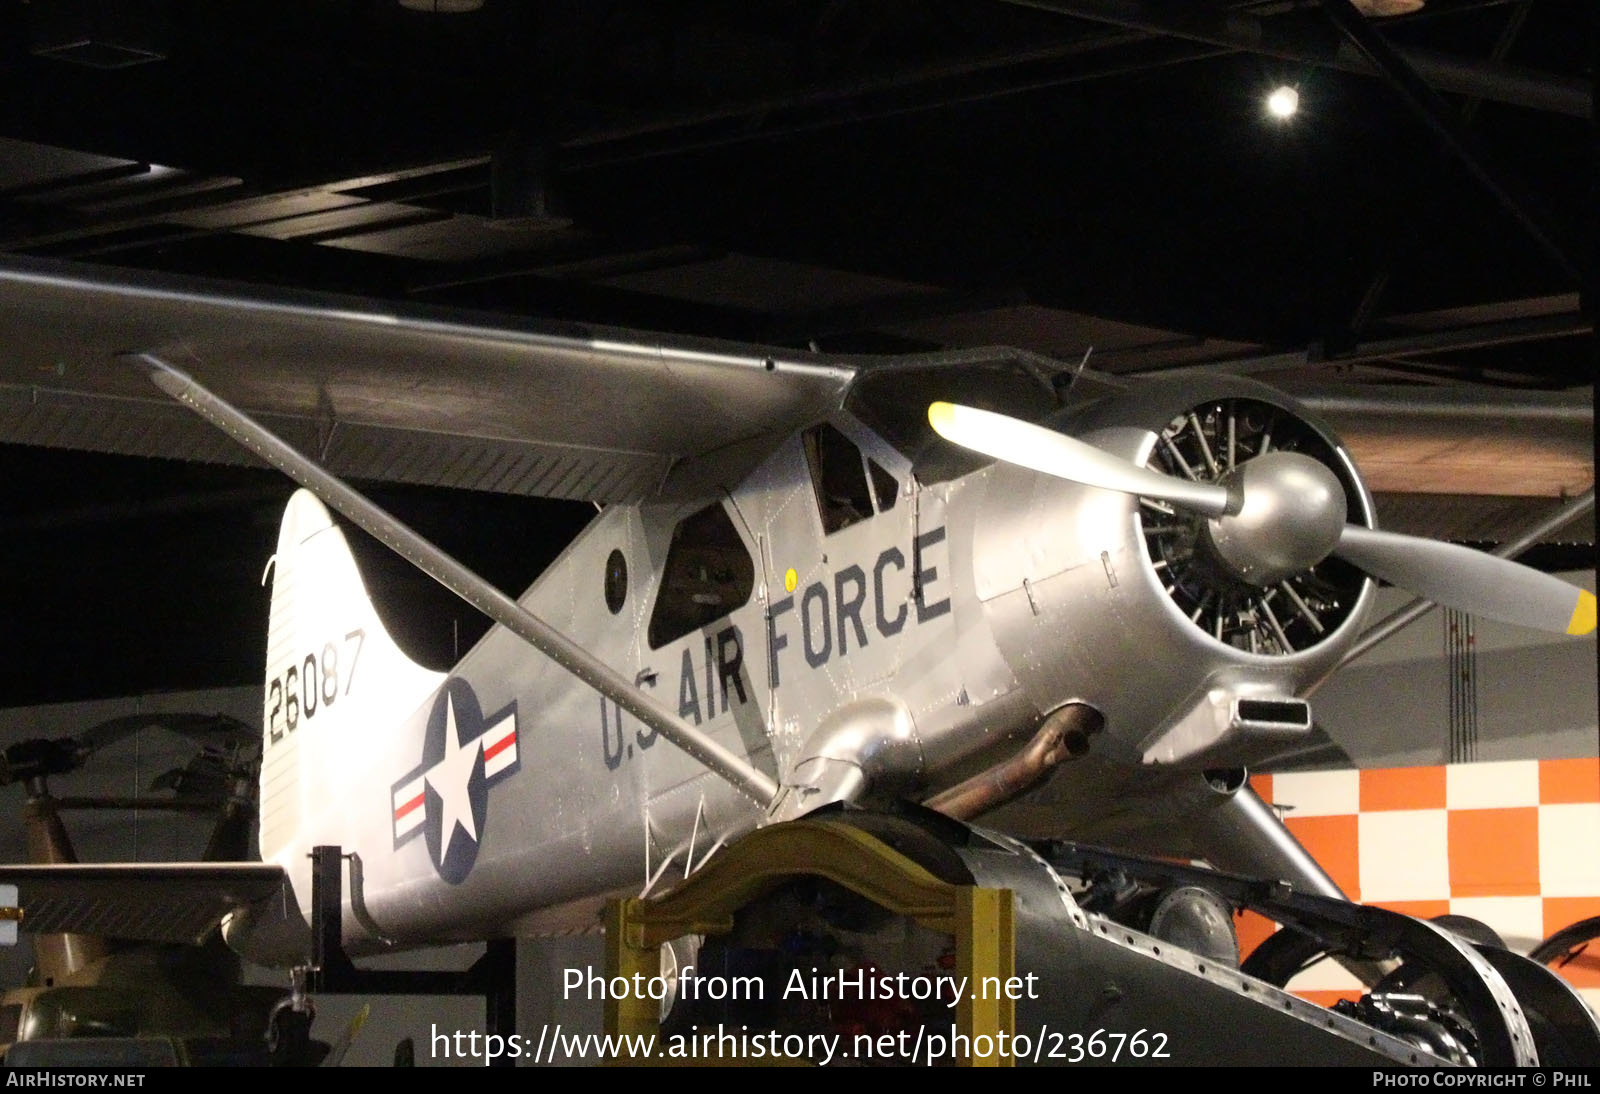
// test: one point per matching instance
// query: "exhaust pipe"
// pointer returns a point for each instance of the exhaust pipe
(1063, 735)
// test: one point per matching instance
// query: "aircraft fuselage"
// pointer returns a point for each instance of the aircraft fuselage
(853, 634)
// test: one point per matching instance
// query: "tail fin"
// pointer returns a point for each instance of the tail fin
(337, 687)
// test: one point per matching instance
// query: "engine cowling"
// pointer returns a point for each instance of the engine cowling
(1136, 609)
(1289, 607)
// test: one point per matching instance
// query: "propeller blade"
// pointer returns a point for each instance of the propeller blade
(1045, 450)
(1469, 580)
(336, 1054)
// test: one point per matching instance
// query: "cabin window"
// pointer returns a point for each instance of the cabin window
(840, 474)
(616, 583)
(709, 573)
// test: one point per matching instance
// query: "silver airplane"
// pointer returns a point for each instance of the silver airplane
(1077, 606)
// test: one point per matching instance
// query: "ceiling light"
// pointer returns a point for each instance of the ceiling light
(1283, 102)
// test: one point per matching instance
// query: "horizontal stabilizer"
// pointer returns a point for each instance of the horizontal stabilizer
(147, 902)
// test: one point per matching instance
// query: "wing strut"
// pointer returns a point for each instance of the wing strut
(339, 496)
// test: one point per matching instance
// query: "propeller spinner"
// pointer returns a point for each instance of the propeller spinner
(1280, 512)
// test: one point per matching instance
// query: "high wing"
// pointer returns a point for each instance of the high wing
(397, 393)
(142, 901)
(406, 393)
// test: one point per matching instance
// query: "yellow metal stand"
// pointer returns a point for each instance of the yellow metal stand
(981, 920)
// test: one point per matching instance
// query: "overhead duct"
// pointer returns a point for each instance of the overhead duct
(1382, 9)
(522, 186)
(104, 34)
(442, 7)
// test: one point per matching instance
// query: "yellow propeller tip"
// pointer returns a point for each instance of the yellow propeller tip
(941, 416)
(1583, 616)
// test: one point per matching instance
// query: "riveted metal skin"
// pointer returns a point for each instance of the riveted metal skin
(896, 651)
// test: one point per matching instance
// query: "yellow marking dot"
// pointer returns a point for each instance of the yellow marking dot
(1583, 616)
(790, 580)
(941, 416)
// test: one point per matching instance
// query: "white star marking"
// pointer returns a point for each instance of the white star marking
(449, 778)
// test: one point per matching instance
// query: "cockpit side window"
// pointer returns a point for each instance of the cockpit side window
(840, 478)
(709, 574)
(884, 488)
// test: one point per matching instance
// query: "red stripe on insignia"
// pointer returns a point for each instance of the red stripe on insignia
(410, 805)
(505, 742)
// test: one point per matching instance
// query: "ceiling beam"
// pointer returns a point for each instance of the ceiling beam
(1433, 111)
(1205, 24)
(1474, 336)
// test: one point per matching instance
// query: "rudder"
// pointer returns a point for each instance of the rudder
(337, 685)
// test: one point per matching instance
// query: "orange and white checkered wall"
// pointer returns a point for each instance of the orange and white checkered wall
(1515, 844)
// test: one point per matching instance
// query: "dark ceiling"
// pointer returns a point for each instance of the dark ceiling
(871, 176)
